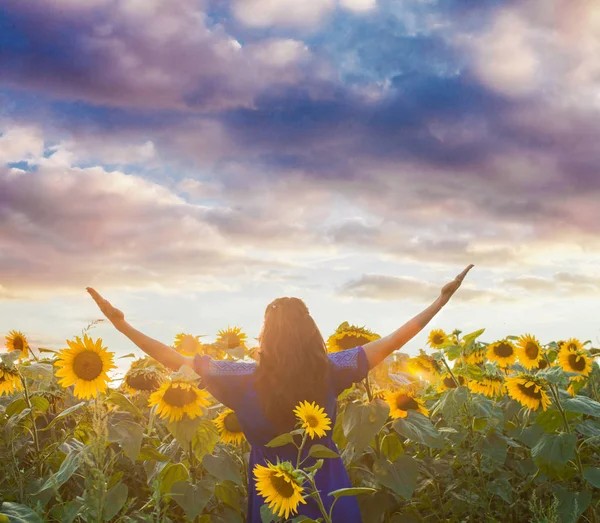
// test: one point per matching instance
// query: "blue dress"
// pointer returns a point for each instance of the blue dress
(232, 383)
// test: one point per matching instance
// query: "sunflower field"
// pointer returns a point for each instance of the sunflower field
(466, 431)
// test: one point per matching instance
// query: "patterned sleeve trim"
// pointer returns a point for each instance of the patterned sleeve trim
(206, 367)
(349, 359)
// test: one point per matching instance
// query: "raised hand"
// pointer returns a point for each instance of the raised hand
(114, 315)
(450, 288)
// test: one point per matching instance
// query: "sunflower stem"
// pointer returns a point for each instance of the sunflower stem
(317, 496)
(555, 395)
(36, 440)
(368, 389)
(300, 448)
(450, 371)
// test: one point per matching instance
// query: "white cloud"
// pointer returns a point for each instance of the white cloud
(304, 14)
(358, 6)
(21, 144)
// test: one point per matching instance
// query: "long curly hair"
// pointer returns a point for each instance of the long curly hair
(293, 363)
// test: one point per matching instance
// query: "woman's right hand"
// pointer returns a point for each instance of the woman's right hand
(114, 315)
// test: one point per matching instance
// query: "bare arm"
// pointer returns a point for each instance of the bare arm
(380, 349)
(155, 349)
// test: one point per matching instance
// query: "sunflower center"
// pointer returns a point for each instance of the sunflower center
(437, 339)
(312, 421)
(405, 402)
(542, 364)
(529, 390)
(87, 365)
(503, 349)
(231, 423)
(577, 362)
(178, 397)
(143, 382)
(532, 350)
(449, 382)
(352, 340)
(18, 343)
(283, 487)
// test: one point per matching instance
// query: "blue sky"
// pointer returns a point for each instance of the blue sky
(193, 160)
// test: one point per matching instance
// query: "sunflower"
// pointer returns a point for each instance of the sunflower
(423, 365)
(437, 337)
(175, 398)
(572, 344)
(144, 375)
(503, 352)
(85, 364)
(403, 400)
(187, 344)
(10, 382)
(17, 341)
(576, 383)
(529, 390)
(313, 418)
(529, 351)
(281, 486)
(447, 382)
(348, 336)
(475, 357)
(489, 385)
(232, 337)
(229, 427)
(575, 360)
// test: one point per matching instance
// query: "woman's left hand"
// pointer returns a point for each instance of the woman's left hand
(450, 288)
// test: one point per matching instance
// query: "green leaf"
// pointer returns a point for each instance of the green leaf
(115, 499)
(554, 449)
(65, 413)
(267, 515)
(502, 488)
(228, 494)
(39, 372)
(171, 474)
(392, 447)
(129, 435)
(493, 447)
(553, 375)
(353, 491)
(16, 407)
(222, 467)
(149, 452)
(67, 468)
(400, 476)
(130, 355)
(121, 401)
(451, 402)
(321, 451)
(184, 430)
(419, 429)
(281, 440)
(18, 513)
(592, 476)
(318, 464)
(191, 498)
(582, 405)
(571, 505)
(205, 439)
(472, 336)
(550, 420)
(362, 422)
(67, 512)
(40, 403)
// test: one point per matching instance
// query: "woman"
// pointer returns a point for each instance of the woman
(293, 367)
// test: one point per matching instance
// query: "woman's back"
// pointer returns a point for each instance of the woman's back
(234, 385)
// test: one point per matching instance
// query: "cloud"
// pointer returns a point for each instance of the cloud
(561, 283)
(20, 144)
(154, 55)
(378, 287)
(287, 13)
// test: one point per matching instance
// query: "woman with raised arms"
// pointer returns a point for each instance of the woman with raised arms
(293, 366)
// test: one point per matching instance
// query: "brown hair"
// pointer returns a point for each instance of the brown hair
(293, 364)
